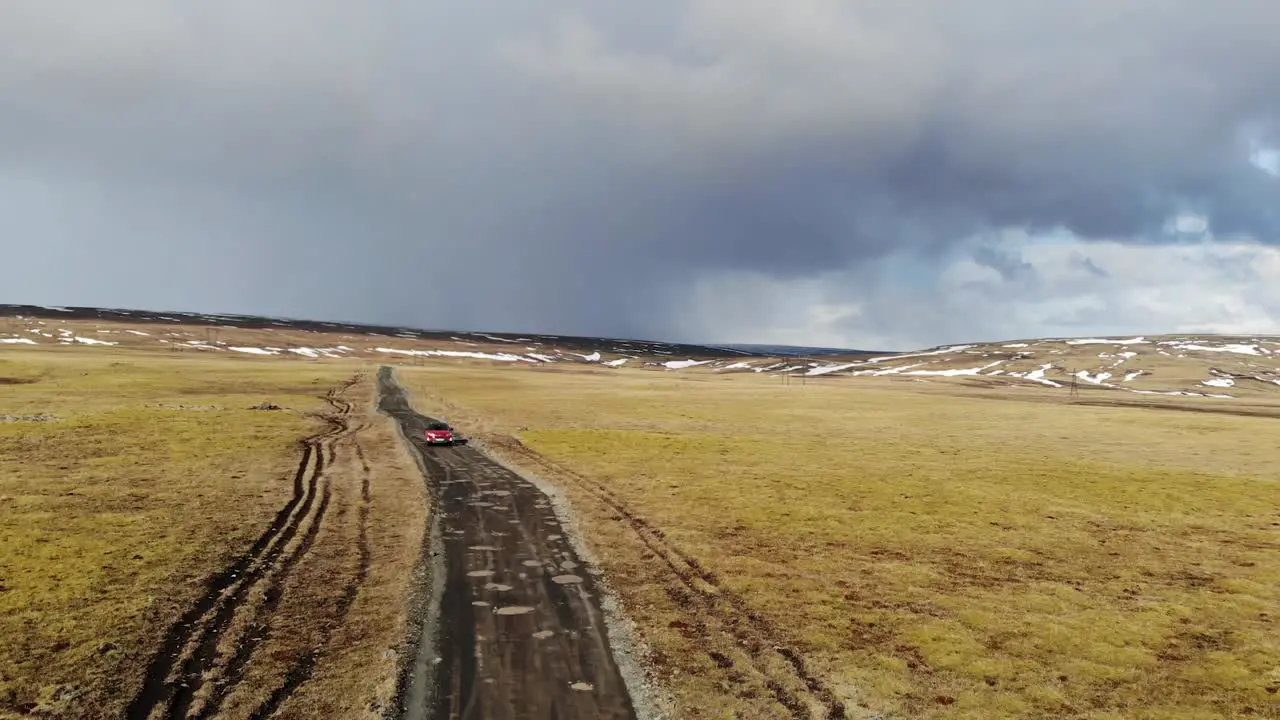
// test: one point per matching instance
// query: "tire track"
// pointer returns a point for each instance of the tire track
(260, 626)
(781, 669)
(154, 690)
(301, 670)
(204, 666)
(189, 653)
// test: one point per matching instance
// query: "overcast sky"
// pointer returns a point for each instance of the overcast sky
(855, 173)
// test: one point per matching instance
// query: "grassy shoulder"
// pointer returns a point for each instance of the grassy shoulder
(154, 474)
(933, 552)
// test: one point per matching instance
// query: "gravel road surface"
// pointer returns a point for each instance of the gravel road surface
(512, 626)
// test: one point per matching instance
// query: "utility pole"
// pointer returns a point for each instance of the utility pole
(1075, 385)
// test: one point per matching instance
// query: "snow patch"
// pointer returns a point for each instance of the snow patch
(889, 370)
(504, 357)
(1229, 348)
(682, 364)
(17, 341)
(1108, 341)
(939, 351)
(88, 341)
(829, 368)
(1184, 393)
(1094, 379)
(1037, 375)
(954, 372)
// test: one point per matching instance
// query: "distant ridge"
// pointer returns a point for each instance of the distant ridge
(267, 322)
(587, 344)
(796, 350)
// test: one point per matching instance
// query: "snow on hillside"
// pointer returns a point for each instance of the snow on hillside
(1210, 366)
(1222, 367)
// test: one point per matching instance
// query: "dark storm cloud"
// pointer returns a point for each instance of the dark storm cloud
(573, 167)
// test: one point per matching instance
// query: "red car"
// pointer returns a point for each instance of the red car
(439, 433)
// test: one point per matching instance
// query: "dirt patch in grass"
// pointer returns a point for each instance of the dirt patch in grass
(114, 517)
(921, 552)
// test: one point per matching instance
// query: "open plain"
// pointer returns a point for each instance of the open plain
(171, 551)
(1075, 528)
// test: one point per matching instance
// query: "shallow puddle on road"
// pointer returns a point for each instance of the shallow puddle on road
(514, 610)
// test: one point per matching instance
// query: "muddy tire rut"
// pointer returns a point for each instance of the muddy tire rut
(206, 654)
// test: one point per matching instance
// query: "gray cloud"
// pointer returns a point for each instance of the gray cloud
(581, 167)
(1087, 263)
(1012, 268)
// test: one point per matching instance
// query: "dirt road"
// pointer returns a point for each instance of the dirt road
(512, 626)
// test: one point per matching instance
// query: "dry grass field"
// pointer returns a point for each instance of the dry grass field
(940, 534)
(916, 549)
(149, 474)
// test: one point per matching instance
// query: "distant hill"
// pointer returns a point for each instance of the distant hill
(264, 322)
(582, 344)
(796, 350)
(1096, 369)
